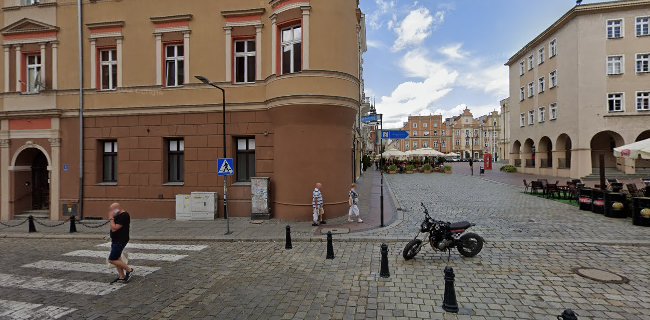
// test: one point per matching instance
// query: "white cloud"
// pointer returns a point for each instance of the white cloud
(416, 27)
(374, 43)
(477, 111)
(491, 80)
(454, 51)
(375, 18)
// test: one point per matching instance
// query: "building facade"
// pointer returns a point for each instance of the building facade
(151, 130)
(426, 132)
(504, 141)
(580, 89)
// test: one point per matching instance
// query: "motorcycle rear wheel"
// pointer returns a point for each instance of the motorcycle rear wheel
(412, 248)
(469, 245)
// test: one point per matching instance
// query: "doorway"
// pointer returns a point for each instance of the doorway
(40, 183)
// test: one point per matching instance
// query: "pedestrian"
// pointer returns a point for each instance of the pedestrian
(353, 201)
(120, 224)
(317, 205)
(471, 165)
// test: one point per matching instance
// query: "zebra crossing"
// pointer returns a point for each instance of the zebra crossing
(137, 252)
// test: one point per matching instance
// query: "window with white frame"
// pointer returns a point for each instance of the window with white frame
(531, 117)
(245, 61)
(643, 101)
(553, 79)
(541, 84)
(435, 133)
(443, 133)
(29, 2)
(444, 144)
(425, 125)
(540, 55)
(615, 29)
(643, 62)
(415, 125)
(642, 26)
(435, 144)
(435, 124)
(174, 65)
(415, 145)
(458, 142)
(291, 49)
(553, 111)
(615, 102)
(531, 62)
(542, 114)
(522, 120)
(553, 48)
(108, 69)
(522, 94)
(614, 65)
(34, 84)
(522, 68)
(415, 133)
(426, 133)
(467, 141)
(531, 89)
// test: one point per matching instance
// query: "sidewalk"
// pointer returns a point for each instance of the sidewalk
(243, 229)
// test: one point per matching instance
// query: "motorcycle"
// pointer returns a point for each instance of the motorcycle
(444, 236)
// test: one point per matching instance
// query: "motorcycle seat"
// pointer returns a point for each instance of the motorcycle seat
(460, 225)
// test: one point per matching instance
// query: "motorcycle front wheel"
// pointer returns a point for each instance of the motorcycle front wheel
(469, 245)
(412, 248)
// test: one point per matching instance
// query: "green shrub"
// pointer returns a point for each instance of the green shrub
(447, 168)
(392, 167)
(427, 167)
(508, 168)
(410, 167)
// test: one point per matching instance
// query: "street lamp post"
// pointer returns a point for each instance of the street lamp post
(225, 178)
(381, 164)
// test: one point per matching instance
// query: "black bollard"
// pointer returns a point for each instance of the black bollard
(287, 244)
(330, 247)
(73, 226)
(568, 314)
(449, 302)
(384, 272)
(32, 227)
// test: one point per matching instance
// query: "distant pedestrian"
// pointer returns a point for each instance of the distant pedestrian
(353, 201)
(317, 205)
(471, 165)
(120, 225)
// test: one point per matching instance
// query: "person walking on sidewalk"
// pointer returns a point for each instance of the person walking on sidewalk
(120, 225)
(317, 205)
(471, 165)
(353, 201)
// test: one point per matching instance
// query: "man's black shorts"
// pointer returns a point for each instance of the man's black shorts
(116, 251)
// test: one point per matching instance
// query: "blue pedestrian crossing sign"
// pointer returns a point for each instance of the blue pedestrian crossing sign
(226, 167)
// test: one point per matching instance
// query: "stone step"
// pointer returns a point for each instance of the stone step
(37, 214)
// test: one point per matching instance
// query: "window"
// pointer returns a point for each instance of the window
(553, 79)
(553, 47)
(108, 69)
(174, 65)
(615, 102)
(522, 68)
(614, 65)
(245, 165)
(467, 142)
(522, 120)
(531, 89)
(643, 101)
(245, 61)
(531, 117)
(458, 142)
(425, 144)
(415, 133)
(34, 84)
(541, 55)
(444, 144)
(435, 133)
(531, 61)
(415, 125)
(642, 62)
(291, 49)
(553, 109)
(542, 114)
(443, 133)
(415, 145)
(425, 125)
(175, 159)
(29, 2)
(542, 85)
(467, 133)
(426, 133)
(435, 124)
(642, 26)
(457, 132)
(522, 94)
(615, 29)
(109, 161)
(435, 144)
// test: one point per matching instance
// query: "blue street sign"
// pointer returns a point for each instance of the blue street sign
(395, 135)
(226, 167)
(66, 167)
(370, 118)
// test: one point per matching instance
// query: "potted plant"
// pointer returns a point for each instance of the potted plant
(392, 169)
(427, 168)
(447, 169)
(410, 168)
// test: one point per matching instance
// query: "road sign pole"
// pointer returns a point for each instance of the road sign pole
(381, 161)
(225, 203)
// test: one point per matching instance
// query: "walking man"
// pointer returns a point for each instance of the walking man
(353, 201)
(317, 205)
(120, 224)
(471, 165)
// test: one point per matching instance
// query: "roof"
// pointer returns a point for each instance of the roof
(574, 12)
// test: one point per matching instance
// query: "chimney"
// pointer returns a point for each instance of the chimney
(578, 2)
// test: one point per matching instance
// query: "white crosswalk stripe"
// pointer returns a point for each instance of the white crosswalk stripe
(23, 310)
(59, 285)
(132, 255)
(155, 246)
(86, 267)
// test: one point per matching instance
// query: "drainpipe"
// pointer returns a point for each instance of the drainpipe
(81, 109)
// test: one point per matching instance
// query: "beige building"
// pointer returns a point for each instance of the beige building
(291, 70)
(504, 135)
(580, 88)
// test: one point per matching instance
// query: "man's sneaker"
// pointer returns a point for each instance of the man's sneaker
(128, 275)
(360, 221)
(323, 222)
(350, 220)
(120, 280)
(314, 224)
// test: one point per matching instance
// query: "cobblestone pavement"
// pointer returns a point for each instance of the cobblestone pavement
(227, 280)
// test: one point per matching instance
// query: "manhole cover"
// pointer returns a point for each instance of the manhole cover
(600, 275)
(335, 230)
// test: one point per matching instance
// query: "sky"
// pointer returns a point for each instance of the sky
(439, 56)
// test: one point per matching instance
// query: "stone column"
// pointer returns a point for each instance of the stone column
(93, 64)
(43, 65)
(305, 37)
(7, 65)
(19, 67)
(228, 47)
(258, 52)
(118, 43)
(55, 67)
(158, 59)
(274, 43)
(186, 56)
(55, 143)
(5, 193)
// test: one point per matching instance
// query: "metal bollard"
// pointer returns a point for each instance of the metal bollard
(73, 226)
(568, 314)
(384, 272)
(287, 244)
(330, 247)
(32, 226)
(449, 302)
